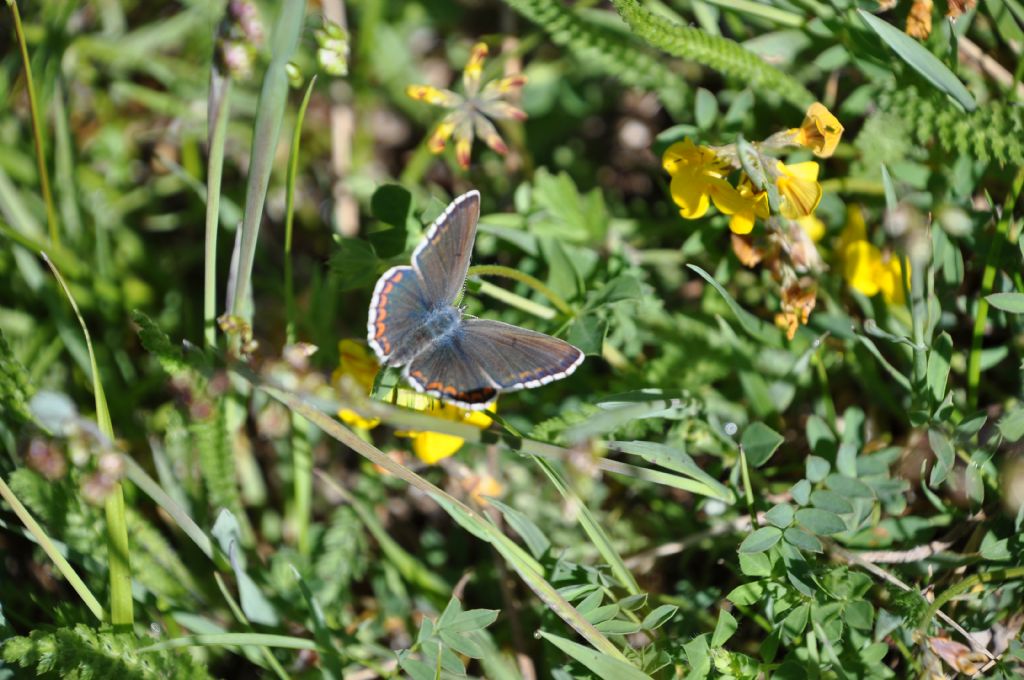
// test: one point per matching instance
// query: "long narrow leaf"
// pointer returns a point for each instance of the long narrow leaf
(122, 614)
(472, 521)
(269, 115)
(921, 60)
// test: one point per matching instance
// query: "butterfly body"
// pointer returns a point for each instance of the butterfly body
(413, 323)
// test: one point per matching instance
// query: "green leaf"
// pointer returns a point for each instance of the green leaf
(848, 486)
(679, 461)
(254, 603)
(531, 534)
(939, 357)
(798, 538)
(157, 343)
(724, 629)
(859, 614)
(756, 328)
(602, 665)
(921, 60)
(14, 386)
(781, 515)
(944, 457)
(392, 204)
(796, 620)
(699, 657)
(759, 443)
(746, 594)
(761, 540)
(354, 264)
(659, 616)
(821, 522)
(831, 501)
(816, 468)
(1011, 425)
(1008, 302)
(755, 564)
(587, 332)
(801, 492)
(705, 108)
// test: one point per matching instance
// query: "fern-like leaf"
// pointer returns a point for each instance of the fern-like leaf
(612, 52)
(83, 653)
(721, 54)
(14, 388)
(993, 131)
(214, 441)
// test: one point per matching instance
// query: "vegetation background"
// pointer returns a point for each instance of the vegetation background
(793, 452)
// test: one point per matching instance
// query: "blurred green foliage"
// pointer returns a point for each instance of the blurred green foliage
(704, 497)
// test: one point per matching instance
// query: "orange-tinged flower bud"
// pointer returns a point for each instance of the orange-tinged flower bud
(820, 132)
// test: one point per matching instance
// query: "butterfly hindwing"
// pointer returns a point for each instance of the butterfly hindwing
(515, 358)
(396, 314)
(445, 371)
(442, 258)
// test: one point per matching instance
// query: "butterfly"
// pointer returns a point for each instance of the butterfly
(413, 323)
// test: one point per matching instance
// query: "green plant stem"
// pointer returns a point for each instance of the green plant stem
(987, 280)
(217, 126)
(122, 615)
(289, 214)
(518, 301)
(37, 130)
(63, 566)
(301, 450)
(507, 272)
(995, 576)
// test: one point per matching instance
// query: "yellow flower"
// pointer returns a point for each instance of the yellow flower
(820, 131)
(695, 170)
(799, 188)
(431, 447)
(864, 267)
(357, 363)
(812, 226)
(742, 204)
(470, 114)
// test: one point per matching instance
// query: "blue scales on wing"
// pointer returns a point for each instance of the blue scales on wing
(442, 258)
(395, 320)
(515, 358)
(445, 371)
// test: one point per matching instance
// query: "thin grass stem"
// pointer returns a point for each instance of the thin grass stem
(63, 566)
(122, 614)
(37, 130)
(533, 282)
(217, 125)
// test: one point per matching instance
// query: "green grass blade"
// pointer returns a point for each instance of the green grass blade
(593, 528)
(289, 213)
(63, 566)
(269, 116)
(528, 569)
(37, 126)
(220, 106)
(233, 639)
(921, 60)
(121, 606)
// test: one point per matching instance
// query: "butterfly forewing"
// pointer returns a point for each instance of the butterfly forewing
(446, 371)
(395, 320)
(515, 358)
(442, 258)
